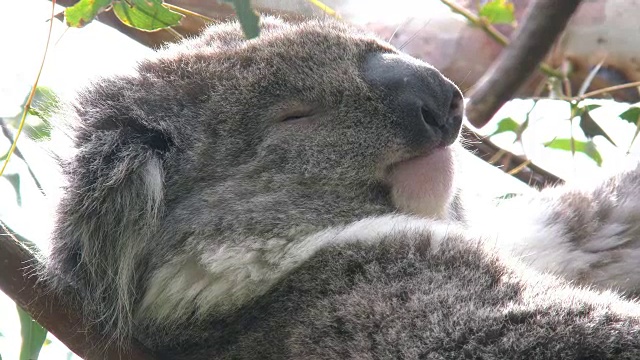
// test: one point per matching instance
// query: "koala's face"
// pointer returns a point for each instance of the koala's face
(311, 114)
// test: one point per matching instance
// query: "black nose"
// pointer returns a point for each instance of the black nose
(427, 106)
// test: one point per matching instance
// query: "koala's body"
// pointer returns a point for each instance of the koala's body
(294, 196)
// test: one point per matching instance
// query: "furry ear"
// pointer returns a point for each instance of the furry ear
(117, 178)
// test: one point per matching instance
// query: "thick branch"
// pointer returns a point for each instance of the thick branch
(545, 20)
(21, 282)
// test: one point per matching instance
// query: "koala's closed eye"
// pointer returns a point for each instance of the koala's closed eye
(297, 113)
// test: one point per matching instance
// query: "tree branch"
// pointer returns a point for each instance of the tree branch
(521, 169)
(545, 20)
(21, 281)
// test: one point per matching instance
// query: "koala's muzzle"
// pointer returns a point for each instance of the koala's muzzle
(427, 105)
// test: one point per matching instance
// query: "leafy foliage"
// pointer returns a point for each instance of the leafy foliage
(589, 127)
(146, 15)
(152, 15)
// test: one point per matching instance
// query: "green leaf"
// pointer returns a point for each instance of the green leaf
(586, 147)
(249, 19)
(498, 12)
(591, 107)
(33, 336)
(45, 103)
(506, 125)
(591, 128)
(14, 180)
(38, 132)
(84, 11)
(632, 115)
(147, 15)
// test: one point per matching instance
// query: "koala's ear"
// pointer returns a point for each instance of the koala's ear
(121, 139)
(117, 198)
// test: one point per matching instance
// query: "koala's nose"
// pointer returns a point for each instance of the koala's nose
(429, 106)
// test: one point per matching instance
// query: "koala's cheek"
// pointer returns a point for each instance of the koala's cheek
(424, 185)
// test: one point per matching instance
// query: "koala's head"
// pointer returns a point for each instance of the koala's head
(309, 121)
(219, 140)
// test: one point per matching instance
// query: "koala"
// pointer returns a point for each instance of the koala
(295, 196)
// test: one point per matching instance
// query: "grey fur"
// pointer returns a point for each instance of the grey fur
(198, 221)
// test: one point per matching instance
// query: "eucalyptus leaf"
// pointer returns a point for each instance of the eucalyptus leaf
(33, 336)
(249, 19)
(498, 12)
(39, 132)
(84, 11)
(506, 125)
(586, 147)
(591, 128)
(632, 115)
(146, 15)
(45, 103)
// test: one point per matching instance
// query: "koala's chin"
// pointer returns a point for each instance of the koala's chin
(424, 185)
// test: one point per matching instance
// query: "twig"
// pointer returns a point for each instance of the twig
(544, 21)
(607, 89)
(592, 93)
